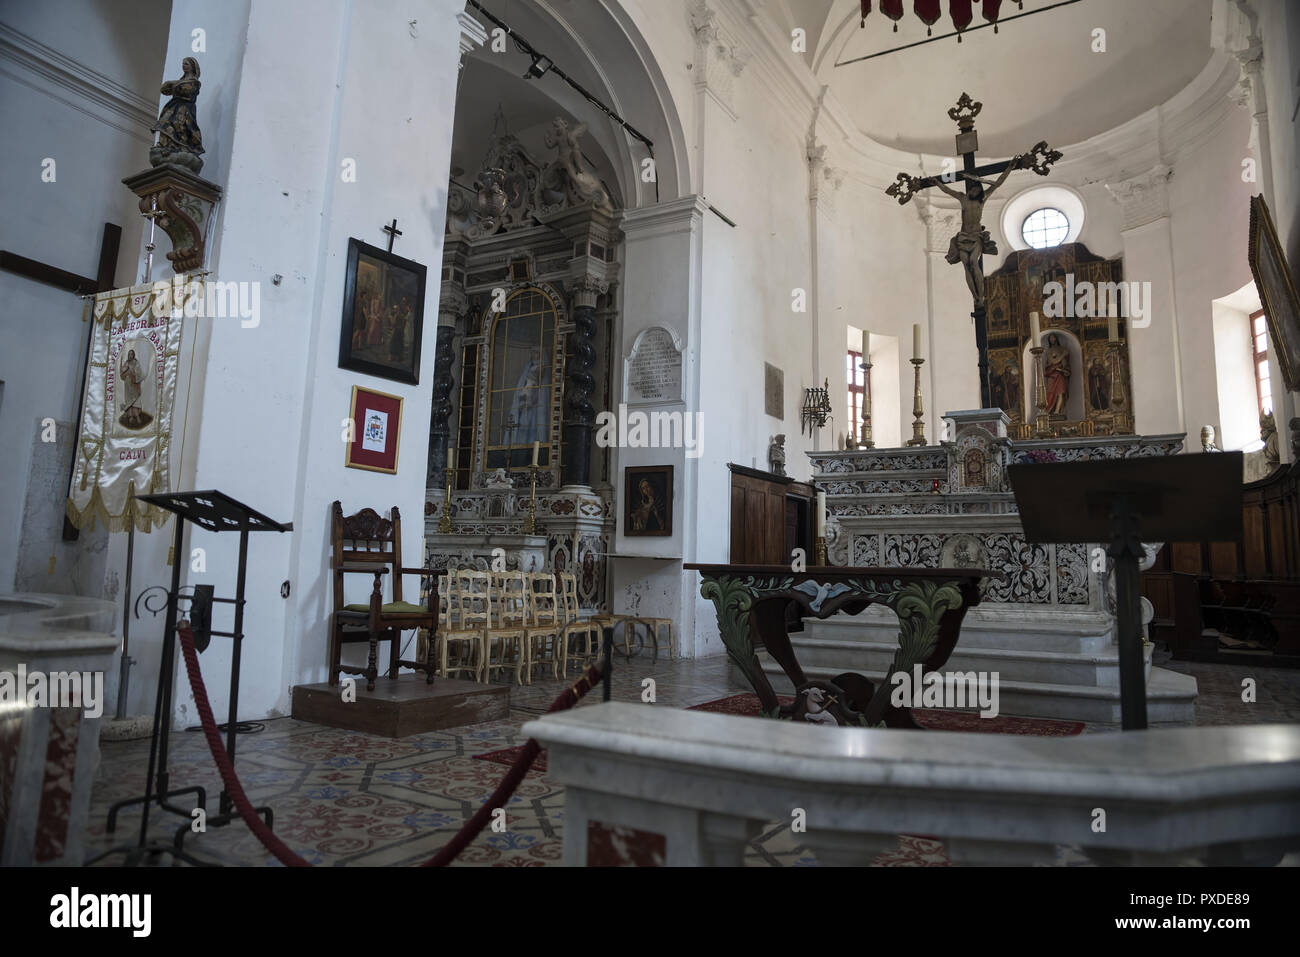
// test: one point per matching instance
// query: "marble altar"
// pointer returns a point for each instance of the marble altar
(1046, 628)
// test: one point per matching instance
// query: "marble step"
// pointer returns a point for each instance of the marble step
(1064, 668)
(985, 626)
(1170, 696)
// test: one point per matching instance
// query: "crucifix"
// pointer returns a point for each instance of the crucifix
(393, 233)
(972, 240)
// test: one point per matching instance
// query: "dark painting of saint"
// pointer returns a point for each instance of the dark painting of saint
(648, 501)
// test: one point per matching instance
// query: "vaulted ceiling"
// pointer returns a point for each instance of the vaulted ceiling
(1038, 77)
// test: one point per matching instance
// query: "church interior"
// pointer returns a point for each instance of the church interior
(756, 433)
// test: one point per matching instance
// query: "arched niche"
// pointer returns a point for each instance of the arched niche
(1073, 410)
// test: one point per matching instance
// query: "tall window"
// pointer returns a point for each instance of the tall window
(1259, 348)
(858, 386)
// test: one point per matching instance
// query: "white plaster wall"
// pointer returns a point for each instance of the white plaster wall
(1238, 422)
(354, 84)
(94, 144)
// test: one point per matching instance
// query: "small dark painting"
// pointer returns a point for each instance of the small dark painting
(383, 314)
(648, 500)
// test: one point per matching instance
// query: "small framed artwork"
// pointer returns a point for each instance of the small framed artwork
(376, 429)
(1277, 293)
(648, 501)
(383, 314)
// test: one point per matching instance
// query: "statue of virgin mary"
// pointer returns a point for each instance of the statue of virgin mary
(529, 418)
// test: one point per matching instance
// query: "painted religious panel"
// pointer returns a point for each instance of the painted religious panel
(648, 501)
(383, 314)
(1276, 291)
(1086, 376)
(522, 382)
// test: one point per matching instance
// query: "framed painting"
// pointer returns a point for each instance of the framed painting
(648, 501)
(1277, 293)
(383, 314)
(376, 430)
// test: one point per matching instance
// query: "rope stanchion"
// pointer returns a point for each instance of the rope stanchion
(283, 853)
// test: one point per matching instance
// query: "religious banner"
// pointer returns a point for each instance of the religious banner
(125, 432)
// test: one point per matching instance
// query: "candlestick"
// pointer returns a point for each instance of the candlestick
(819, 547)
(866, 344)
(1041, 424)
(821, 514)
(530, 523)
(916, 340)
(444, 523)
(1035, 333)
(1112, 326)
(918, 407)
(866, 441)
(536, 446)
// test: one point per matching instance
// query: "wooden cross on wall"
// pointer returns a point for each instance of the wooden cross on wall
(393, 233)
(972, 241)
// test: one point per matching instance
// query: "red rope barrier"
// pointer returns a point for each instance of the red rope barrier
(567, 699)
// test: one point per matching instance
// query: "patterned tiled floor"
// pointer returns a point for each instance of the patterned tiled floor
(343, 798)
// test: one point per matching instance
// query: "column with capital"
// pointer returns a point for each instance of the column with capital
(580, 381)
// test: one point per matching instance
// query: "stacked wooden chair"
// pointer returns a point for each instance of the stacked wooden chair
(579, 637)
(365, 543)
(542, 636)
(469, 612)
(505, 637)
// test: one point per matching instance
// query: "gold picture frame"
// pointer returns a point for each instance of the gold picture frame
(1277, 292)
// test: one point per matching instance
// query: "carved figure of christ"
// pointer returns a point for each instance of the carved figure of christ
(972, 240)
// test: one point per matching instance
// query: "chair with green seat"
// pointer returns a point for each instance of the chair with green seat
(366, 543)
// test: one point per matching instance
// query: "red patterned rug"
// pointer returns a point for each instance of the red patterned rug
(933, 719)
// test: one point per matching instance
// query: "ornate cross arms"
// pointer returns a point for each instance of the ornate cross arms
(904, 188)
(964, 113)
(1040, 158)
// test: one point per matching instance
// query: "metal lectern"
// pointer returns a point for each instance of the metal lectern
(216, 512)
(1173, 498)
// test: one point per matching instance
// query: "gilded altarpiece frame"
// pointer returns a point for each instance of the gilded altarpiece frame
(1105, 378)
(476, 451)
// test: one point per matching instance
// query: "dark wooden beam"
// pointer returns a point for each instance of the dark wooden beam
(50, 275)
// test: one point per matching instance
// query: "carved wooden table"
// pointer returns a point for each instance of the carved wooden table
(751, 601)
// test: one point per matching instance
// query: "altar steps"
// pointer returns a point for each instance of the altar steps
(1067, 669)
(1170, 696)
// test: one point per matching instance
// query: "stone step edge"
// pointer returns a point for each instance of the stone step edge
(1024, 687)
(973, 651)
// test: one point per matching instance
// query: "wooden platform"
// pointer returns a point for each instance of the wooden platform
(402, 707)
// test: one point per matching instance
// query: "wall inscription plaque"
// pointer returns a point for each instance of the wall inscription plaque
(653, 372)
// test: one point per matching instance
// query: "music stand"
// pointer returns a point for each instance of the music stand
(216, 512)
(1170, 498)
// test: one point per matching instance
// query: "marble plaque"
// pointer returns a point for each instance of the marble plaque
(653, 372)
(773, 391)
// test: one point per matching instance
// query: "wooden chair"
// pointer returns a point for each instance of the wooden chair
(587, 631)
(469, 616)
(366, 543)
(542, 636)
(510, 617)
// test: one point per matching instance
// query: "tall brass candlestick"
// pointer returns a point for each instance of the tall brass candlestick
(444, 523)
(1042, 426)
(530, 523)
(918, 407)
(866, 442)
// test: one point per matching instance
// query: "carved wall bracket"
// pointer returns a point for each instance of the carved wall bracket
(181, 204)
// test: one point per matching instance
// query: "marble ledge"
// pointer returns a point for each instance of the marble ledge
(1162, 766)
(46, 624)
